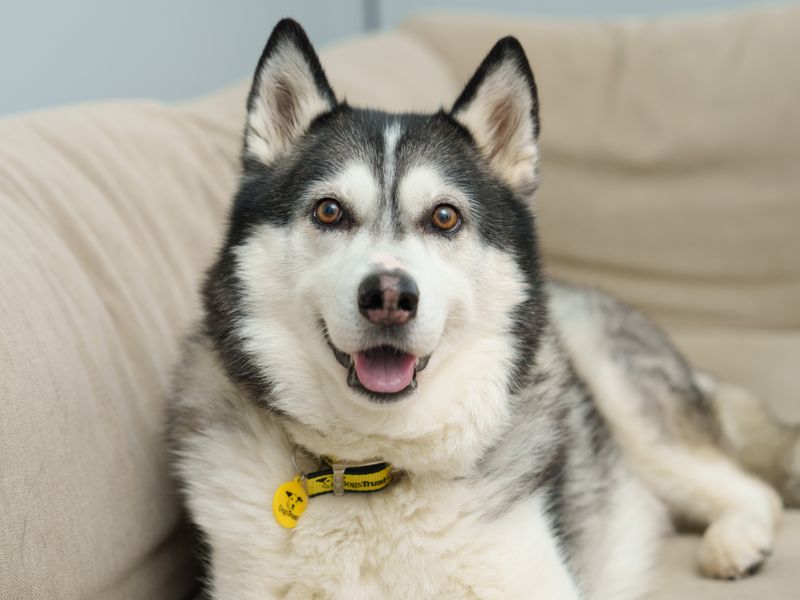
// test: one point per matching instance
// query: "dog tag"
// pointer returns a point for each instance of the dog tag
(289, 503)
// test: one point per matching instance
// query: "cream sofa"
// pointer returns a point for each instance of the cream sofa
(671, 177)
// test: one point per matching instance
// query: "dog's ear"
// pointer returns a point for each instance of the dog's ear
(289, 91)
(500, 108)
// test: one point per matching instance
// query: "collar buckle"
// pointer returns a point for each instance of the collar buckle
(338, 478)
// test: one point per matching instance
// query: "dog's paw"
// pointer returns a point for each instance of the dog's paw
(735, 546)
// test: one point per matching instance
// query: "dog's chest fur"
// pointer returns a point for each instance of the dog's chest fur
(418, 538)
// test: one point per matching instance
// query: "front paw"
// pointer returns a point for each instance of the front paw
(735, 546)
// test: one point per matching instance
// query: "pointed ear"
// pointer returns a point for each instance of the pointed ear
(289, 91)
(500, 107)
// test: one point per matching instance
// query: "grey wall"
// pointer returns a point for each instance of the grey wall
(394, 12)
(54, 52)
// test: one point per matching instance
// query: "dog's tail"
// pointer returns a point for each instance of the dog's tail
(754, 437)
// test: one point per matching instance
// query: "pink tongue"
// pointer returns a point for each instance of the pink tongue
(384, 371)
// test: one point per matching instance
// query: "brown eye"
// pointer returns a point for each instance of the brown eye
(445, 217)
(328, 211)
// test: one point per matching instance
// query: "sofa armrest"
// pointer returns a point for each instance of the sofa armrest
(110, 212)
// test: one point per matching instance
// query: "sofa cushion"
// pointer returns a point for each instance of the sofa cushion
(676, 578)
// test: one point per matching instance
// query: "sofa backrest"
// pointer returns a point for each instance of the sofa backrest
(670, 153)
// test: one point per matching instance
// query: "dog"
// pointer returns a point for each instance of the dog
(379, 342)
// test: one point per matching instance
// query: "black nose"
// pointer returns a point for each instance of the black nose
(388, 298)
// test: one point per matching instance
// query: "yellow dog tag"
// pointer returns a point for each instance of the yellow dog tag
(289, 503)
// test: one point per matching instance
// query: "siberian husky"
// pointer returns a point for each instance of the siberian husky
(386, 398)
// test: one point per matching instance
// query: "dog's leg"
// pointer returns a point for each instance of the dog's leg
(698, 482)
(666, 423)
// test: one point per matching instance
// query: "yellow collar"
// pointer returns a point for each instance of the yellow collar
(291, 498)
(337, 477)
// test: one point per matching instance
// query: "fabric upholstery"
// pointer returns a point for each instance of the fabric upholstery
(669, 152)
(676, 579)
(110, 213)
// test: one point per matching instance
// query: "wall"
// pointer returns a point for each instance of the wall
(392, 12)
(54, 52)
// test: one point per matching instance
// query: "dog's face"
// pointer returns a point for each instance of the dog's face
(379, 263)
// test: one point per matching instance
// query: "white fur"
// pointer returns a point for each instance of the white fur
(426, 536)
(428, 433)
(381, 546)
(355, 187)
(423, 188)
(391, 135)
(293, 277)
(621, 549)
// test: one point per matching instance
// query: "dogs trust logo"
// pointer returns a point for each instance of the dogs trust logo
(289, 503)
(325, 482)
(358, 485)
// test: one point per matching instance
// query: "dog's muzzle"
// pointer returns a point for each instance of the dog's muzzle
(384, 370)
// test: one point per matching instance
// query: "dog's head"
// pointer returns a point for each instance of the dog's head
(379, 275)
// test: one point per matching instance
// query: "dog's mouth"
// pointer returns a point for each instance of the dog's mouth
(384, 370)
(384, 373)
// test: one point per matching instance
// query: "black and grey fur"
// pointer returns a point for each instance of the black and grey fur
(544, 427)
